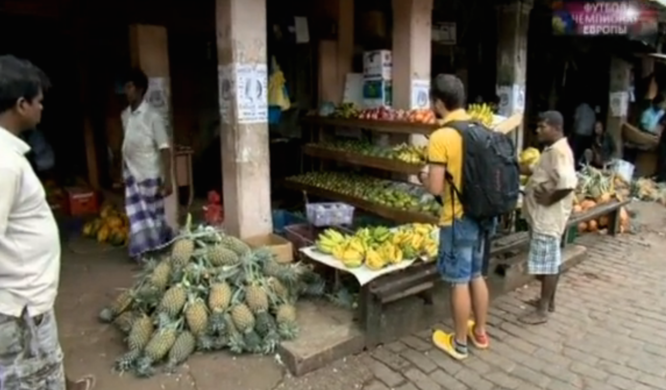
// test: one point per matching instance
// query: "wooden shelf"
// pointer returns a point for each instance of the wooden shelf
(392, 214)
(398, 127)
(358, 159)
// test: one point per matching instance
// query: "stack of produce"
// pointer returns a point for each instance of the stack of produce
(379, 247)
(112, 226)
(401, 196)
(481, 112)
(597, 187)
(346, 111)
(648, 190)
(211, 292)
(528, 157)
(404, 152)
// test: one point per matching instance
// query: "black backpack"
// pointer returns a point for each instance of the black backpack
(490, 173)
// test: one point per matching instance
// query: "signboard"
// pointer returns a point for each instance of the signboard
(624, 18)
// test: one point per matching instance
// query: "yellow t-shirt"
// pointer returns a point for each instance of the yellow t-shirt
(445, 148)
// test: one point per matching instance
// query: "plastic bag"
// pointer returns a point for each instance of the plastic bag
(277, 90)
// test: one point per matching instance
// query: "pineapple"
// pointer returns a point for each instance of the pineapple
(219, 296)
(181, 252)
(252, 342)
(234, 340)
(119, 305)
(196, 315)
(139, 335)
(173, 300)
(219, 255)
(265, 324)
(126, 361)
(217, 323)
(243, 318)
(182, 348)
(160, 275)
(256, 298)
(272, 268)
(286, 319)
(157, 348)
(234, 244)
(278, 289)
(124, 321)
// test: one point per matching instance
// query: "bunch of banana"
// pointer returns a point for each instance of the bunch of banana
(391, 253)
(416, 240)
(329, 240)
(410, 153)
(529, 156)
(346, 111)
(374, 260)
(482, 113)
(351, 253)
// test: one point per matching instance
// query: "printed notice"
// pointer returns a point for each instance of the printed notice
(420, 94)
(251, 93)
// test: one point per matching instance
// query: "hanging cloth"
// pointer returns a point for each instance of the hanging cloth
(277, 89)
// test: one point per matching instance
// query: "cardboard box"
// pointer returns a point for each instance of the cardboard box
(378, 64)
(377, 93)
(281, 247)
(81, 201)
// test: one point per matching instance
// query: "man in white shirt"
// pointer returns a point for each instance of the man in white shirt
(30, 354)
(146, 169)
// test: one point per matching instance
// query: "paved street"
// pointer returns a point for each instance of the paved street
(608, 333)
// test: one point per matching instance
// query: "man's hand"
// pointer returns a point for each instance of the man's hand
(543, 198)
(525, 169)
(167, 188)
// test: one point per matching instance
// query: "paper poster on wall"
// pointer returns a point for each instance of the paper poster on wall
(619, 103)
(518, 98)
(420, 94)
(157, 96)
(251, 93)
(226, 92)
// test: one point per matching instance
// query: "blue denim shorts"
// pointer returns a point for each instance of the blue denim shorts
(460, 251)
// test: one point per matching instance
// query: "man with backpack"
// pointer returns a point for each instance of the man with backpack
(547, 206)
(474, 172)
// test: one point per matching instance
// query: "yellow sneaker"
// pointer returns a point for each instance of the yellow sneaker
(446, 343)
(479, 341)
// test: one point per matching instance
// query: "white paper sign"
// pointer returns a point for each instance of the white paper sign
(518, 95)
(420, 94)
(619, 103)
(511, 99)
(157, 95)
(302, 29)
(226, 92)
(251, 93)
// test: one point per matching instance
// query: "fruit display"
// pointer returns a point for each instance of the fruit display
(401, 196)
(210, 292)
(411, 154)
(379, 247)
(597, 187)
(111, 226)
(346, 111)
(350, 111)
(481, 112)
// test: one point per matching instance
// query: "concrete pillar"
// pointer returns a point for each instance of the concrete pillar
(149, 50)
(412, 45)
(620, 79)
(513, 24)
(242, 67)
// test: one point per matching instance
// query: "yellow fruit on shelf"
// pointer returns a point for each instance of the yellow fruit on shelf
(103, 234)
(374, 261)
(352, 258)
(113, 222)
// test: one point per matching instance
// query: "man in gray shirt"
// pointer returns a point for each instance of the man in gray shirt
(583, 129)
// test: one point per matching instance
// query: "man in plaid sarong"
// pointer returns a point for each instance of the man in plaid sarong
(547, 206)
(146, 169)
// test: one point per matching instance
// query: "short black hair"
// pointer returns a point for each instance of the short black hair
(138, 78)
(449, 90)
(552, 118)
(19, 79)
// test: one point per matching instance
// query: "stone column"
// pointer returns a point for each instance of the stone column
(620, 79)
(242, 71)
(512, 22)
(412, 45)
(149, 50)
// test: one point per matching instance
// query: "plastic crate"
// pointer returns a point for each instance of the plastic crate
(329, 214)
(284, 218)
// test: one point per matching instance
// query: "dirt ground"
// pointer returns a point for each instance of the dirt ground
(90, 276)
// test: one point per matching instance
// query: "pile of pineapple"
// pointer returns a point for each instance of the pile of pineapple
(209, 292)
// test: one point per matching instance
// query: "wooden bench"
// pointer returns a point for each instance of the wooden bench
(421, 278)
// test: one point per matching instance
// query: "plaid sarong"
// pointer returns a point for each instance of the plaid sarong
(144, 204)
(545, 255)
